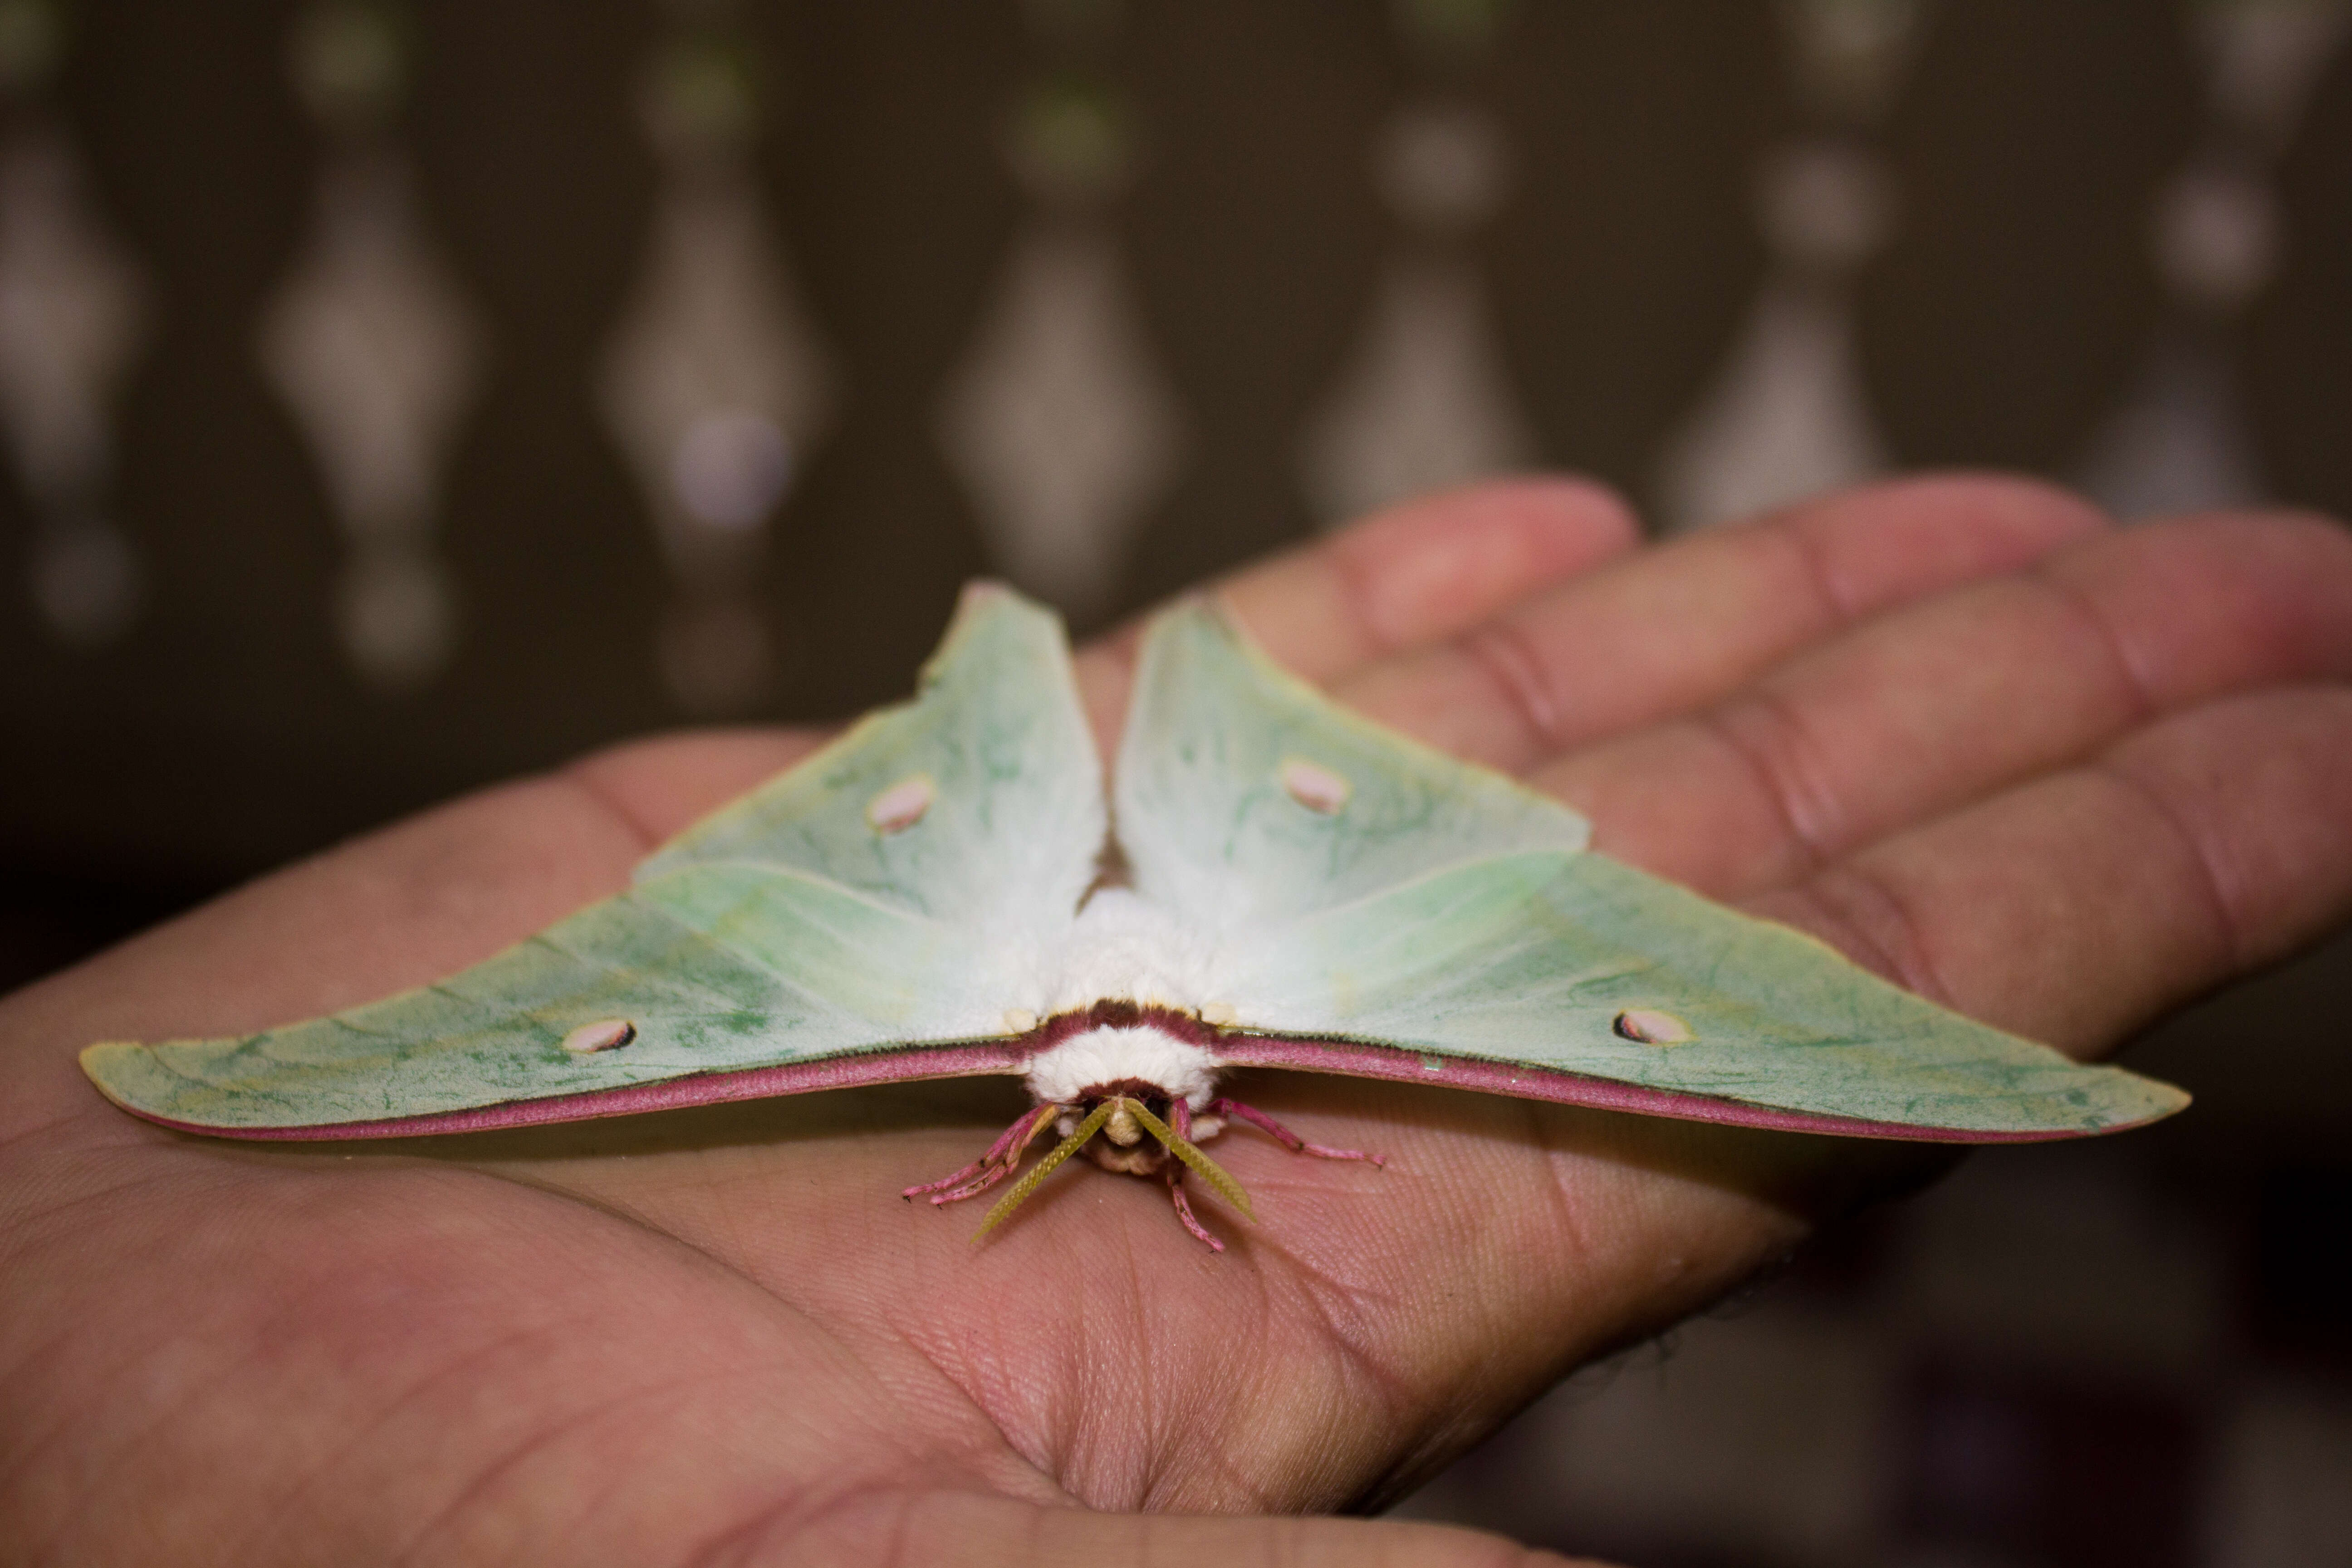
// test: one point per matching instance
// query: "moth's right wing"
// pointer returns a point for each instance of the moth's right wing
(714, 982)
(870, 914)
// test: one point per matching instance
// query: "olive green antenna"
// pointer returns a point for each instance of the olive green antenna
(1045, 1167)
(1183, 1148)
(1208, 1170)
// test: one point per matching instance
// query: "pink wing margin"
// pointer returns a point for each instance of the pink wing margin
(1358, 1059)
(894, 1065)
(1353, 1059)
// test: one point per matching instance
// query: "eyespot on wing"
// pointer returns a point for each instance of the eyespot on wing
(604, 1035)
(1315, 786)
(1651, 1027)
(901, 805)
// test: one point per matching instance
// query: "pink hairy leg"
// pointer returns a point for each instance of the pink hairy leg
(1179, 1117)
(1289, 1140)
(991, 1167)
(1175, 1174)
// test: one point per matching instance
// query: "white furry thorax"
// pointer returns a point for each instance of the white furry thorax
(1123, 949)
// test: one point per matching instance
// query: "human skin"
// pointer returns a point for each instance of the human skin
(2059, 776)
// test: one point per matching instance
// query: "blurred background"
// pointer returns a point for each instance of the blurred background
(394, 396)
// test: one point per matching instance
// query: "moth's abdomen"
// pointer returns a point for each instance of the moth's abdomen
(1118, 1047)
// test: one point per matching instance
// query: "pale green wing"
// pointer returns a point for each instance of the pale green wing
(804, 937)
(1245, 797)
(1568, 969)
(993, 759)
(727, 978)
(1448, 922)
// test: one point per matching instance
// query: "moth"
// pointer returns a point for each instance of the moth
(1269, 881)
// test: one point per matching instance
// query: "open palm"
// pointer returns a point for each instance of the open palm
(2057, 777)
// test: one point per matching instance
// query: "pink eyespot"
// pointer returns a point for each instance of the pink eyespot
(1316, 787)
(901, 805)
(1651, 1027)
(605, 1035)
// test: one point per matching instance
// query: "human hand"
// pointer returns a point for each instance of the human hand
(2056, 777)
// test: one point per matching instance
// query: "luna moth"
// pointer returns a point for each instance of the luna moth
(1269, 881)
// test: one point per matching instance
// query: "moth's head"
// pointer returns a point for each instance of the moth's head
(1124, 1142)
(1123, 1127)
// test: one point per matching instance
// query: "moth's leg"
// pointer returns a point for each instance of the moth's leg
(1289, 1140)
(972, 1170)
(1175, 1173)
(1006, 1154)
(1001, 1159)
(991, 1167)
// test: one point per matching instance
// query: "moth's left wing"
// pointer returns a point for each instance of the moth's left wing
(1382, 909)
(1571, 977)
(978, 803)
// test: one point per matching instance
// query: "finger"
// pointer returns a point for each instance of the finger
(2074, 909)
(1919, 712)
(964, 1530)
(663, 785)
(1427, 569)
(1677, 627)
